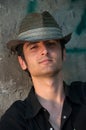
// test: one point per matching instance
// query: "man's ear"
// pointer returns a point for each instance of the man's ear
(22, 63)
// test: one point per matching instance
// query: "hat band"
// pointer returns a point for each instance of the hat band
(44, 33)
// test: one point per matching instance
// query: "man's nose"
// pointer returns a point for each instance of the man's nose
(44, 49)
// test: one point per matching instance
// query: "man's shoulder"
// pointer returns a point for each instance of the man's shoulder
(77, 91)
(78, 86)
(76, 83)
(18, 105)
(15, 111)
(14, 117)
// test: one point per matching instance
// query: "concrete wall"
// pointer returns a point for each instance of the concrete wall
(71, 15)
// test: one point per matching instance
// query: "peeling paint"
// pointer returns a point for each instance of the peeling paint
(1, 58)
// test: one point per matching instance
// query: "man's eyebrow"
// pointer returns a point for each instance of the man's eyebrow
(31, 43)
(35, 42)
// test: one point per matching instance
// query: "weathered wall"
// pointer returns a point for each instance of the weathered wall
(71, 14)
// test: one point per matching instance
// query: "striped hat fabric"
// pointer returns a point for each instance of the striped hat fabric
(38, 27)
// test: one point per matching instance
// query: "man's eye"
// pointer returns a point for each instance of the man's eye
(33, 47)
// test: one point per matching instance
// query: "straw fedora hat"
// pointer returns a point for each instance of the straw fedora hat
(38, 27)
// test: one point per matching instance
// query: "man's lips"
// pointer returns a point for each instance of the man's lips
(45, 61)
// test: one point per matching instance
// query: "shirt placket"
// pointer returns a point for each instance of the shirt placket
(67, 109)
(46, 114)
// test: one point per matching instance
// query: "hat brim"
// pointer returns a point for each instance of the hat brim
(12, 44)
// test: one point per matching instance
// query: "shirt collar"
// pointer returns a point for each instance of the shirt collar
(33, 106)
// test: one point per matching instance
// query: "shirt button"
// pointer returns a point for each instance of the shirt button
(64, 117)
(44, 109)
(51, 128)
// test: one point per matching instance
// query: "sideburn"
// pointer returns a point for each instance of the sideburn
(62, 48)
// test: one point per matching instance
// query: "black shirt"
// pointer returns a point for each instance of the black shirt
(30, 115)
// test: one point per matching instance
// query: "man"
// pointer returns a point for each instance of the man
(51, 104)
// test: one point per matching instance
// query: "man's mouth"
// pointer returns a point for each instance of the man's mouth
(45, 61)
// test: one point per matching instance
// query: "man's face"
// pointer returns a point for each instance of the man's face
(43, 58)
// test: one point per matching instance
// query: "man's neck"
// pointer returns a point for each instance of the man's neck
(50, 88)
(50, 93)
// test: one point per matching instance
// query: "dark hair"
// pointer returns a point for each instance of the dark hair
(62, 44)
(19, 50)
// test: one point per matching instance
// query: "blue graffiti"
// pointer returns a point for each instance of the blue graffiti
(82, 24)
(74, 0)
(76, 50)
(32, 4)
